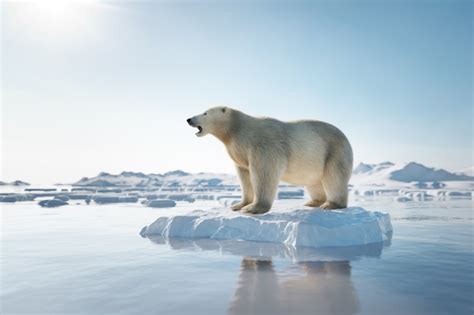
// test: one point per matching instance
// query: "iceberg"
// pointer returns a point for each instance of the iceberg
(294, 227)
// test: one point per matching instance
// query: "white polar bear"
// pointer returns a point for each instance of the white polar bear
(311, 153)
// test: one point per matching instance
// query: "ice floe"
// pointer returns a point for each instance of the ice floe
(52, 203)
(294, 227)
(161, 203)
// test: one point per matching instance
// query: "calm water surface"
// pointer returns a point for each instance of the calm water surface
(91, 260)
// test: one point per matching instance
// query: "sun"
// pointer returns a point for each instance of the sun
(61, 10)
(51, 19)
(55, 9)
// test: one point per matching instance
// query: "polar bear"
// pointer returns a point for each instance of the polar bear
(311, 153)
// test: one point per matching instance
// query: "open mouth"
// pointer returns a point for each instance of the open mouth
(191, 123)
(200, 129)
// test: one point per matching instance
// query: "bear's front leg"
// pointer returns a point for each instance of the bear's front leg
(265, 176)
(247, 189)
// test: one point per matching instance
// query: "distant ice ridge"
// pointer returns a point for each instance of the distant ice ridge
(408, 175)
(297, 227)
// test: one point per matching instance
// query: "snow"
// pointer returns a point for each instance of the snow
(229, 201)
(293, 227)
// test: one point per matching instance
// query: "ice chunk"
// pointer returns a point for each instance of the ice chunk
(79, 196)
(12, 198)
(106, 199)
(53, 203)
(461, 194)
(40, 189)
(103, 199)
(62, 197)
(403, 199)
(9, 199)
(180, 197)
(296, 227)
(161, 203)
(291, 194)
(129, 199)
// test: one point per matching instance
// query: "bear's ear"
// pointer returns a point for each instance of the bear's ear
(223, 109)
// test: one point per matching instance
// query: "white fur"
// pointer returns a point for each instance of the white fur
(311, 153)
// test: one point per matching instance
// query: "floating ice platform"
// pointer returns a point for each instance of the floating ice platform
(294, 227)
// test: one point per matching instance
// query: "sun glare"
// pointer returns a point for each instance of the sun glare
(56, 18)
(55, 9)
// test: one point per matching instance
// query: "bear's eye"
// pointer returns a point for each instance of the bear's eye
(205, 114)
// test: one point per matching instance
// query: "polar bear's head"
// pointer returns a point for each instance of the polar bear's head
(215, 121)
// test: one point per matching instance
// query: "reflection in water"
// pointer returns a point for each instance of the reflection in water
(315, 281)
(324, 288)
(274, 250)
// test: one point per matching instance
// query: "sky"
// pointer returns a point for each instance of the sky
(91, 86)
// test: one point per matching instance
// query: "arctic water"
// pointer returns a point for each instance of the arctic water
(91, 259)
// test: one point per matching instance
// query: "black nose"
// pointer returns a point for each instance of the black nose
(189, 120)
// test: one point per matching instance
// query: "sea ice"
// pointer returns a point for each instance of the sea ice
(52, 203)
(294, 227)
(104, 199)
(10, 199)
(290, 194)
(161, 203)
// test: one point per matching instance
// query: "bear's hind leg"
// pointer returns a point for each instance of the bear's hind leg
(317, 194)
(335, 180)
(247, 189)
